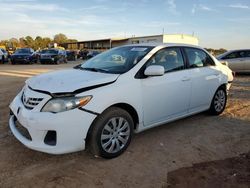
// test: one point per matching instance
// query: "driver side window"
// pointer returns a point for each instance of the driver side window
(232, 55)
(170, 58)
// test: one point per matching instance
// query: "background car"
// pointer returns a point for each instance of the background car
(71, 55)
(23, 56)
(83, 54)
(92, 54)
(3, 55)
(53, 56)
(37, 54)
(237, 60)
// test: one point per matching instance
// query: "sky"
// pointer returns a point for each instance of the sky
(217, 23)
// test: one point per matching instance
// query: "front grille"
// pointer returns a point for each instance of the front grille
(45, 57)
(29, 102)
(23, 131)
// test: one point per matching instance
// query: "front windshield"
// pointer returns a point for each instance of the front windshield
(118, 60)
(22, 51)
(49, 51)
(222, 55)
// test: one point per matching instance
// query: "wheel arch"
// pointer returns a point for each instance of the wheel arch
(125, 106)
(211, 110)
(130, 109)
(224, 86)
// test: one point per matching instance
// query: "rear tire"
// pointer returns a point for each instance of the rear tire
(219, 101)
(111, 133)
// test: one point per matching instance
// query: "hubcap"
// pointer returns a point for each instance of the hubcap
(219, 100)
(115, 134)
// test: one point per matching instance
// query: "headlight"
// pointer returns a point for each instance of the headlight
(64, 104)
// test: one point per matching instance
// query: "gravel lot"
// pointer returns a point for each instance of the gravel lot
(151, 156)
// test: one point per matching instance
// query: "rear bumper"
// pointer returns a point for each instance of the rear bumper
(71, 128)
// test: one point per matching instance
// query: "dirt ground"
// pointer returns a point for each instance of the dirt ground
(155, 158)
(231, 172)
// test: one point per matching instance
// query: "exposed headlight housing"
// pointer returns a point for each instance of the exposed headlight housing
(64, 104)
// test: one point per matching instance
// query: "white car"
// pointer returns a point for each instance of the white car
(3, 55)
(102, 102)
(237, 60)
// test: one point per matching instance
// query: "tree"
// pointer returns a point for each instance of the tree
(22, 42)
(29, 41)
(14, 42)
(38, 43)
(3, 42)
(46, 42)
(60, 38)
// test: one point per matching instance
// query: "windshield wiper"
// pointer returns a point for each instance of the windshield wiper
(93, 69)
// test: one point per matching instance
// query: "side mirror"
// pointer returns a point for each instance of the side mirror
(154, 70)
(224, 63)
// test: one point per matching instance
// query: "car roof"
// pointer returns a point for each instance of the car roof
(230, 51)
(164, 45)
(24, 48)
(237, 50)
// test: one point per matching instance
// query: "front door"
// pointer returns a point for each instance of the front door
(165, 97)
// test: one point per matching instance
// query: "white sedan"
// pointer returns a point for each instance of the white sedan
(103, 101)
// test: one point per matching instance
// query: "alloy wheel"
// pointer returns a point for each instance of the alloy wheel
(115, 135)
(219, 100)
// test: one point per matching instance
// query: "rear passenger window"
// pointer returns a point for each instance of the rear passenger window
(244, 54)
(232, 55)
(247, 54)
(198, 58)
(170, 58)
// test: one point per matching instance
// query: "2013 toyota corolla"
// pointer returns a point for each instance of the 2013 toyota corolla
(125, 90)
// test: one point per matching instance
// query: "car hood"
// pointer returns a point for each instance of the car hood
(48, 54)
(69, 81)
(21, 54)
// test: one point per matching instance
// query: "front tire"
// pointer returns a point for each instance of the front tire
(111, 133)
(219, 101)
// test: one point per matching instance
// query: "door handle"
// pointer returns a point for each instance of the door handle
(185, 79)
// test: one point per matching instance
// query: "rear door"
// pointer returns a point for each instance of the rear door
(247, 60)
(235, 60)
(204, 78)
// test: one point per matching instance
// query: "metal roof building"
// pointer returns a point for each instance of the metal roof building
(114, 42)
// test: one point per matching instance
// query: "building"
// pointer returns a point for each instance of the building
(104, 44)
